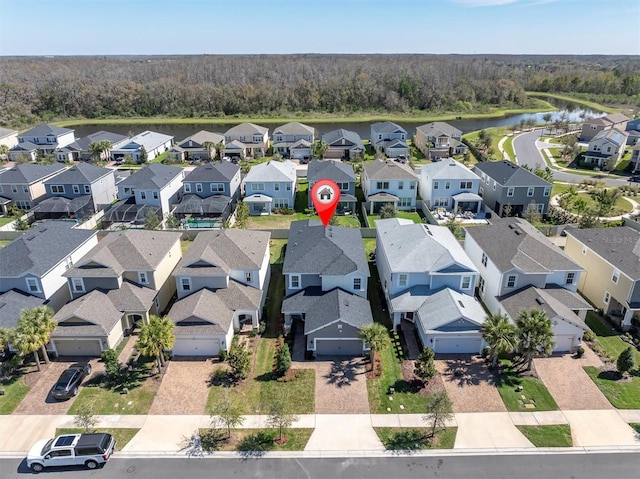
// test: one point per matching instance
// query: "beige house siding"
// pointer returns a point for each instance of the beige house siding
(115, 335)
(420, 140)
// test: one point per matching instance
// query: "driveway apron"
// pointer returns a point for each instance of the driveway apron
(184, 388)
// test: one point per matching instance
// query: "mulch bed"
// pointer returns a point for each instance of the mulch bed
(436, 384)
(374, 371)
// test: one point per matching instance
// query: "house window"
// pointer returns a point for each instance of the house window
(481, 284)
(547, 191)
(14, 188)
(87, 189)
(156, 302)
(484, 259)
(155, 195)
(570, 278)
(343, 186)
(294, 281)
(128, 190)
(187, 187)
(357, 284)
(198, 187)
(465, 185)
(436, 185)
(143, 195)
(76, 189)
(530, 191)
(412, 185)
(257, 186)
(77, 284)
(276, 186)
(279, 138)
(217, 187)
(401, 185)
(186, 284)
(510, 192)
(32, 285)
(402, 280)
(607, 297)
(447, 185)
(382, 185)
(143, 278)
(247, 276)
(404, 202)
(442, 202)
(288, 186)
(511, 281)
(54, 189)
(257, 138)
(25, 189)
(615, 276)
(280, 202)
(466, 282)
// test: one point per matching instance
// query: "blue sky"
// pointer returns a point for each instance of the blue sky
(104, 27)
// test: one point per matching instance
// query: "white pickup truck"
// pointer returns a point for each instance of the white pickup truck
(89, 450)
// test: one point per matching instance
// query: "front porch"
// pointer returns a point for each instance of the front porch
(376, 201)
(259, 204)
(622, 315)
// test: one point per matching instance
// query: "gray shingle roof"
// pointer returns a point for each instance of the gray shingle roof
(514, 243)
(213, 172)
(507, 173)
(41, 248)
(272, 171)
(44, 129)
(294, 128)
(84, 142)
(619, 246)
(25, 146)
(60, 204)
(329, 169)
(615, 136)
(80, 173)
(388, 170)
(314, 249)
(246, 129)
(448, 306)
(411, 247)
(11, 303)
(29, 173)
(438, 128)
(153, 176)
(4, 132)
(95, 308)
(202, 137)
(131, 297)
(447, 170)
(387, 127)
(336, 135)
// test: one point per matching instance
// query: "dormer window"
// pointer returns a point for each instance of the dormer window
(187, 187)
(143, 278)
(248, 277)
(77, 284)
(76, 189)
(32, 285)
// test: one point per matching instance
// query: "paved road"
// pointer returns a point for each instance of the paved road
(528, 154)
(534, 466)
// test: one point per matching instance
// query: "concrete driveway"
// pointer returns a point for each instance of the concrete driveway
(184, 388)
(488, 430)
(600, 428)
(341, 385)
(469, 384)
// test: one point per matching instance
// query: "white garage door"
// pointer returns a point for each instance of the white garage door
(457, 345)
(78, 347)
(563, 343)
(196, 347)
(338, 347)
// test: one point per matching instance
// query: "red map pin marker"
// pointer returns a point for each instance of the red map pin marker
(325, 195)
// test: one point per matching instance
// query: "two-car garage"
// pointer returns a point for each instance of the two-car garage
(196, 346)
(77, 347)
(339, 347)
(455, 344)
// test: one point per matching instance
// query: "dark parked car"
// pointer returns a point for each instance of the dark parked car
(70, 380)
(635, 178)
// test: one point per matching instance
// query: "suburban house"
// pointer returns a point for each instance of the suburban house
(222, 283)
(78, 192)
(23, 185)
(428, 283)
(326, 275)
(439, 139)
(269, 186)
(156, 185)
(8, 137)
(593, 126)
(246, 140)
(120, 282)
(342, 144)
(611, 258)
(344, 177)
(210, 192)
(294, 140)
(389, 182)
(143, 147)
(12, 303)
(390, 139)
(512, 256)
(509, 189)
(635, 156)
(606, 144)
(203, 146)
(450, 186)
(79, 149)
(43, 140)
(24, 152)
(632, 130)
(35, 262)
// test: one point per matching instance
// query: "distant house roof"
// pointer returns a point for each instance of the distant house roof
(616, 118)
(5, 132)
(387, 127)
(300, 144)
(60, 204)
(332, 251)
(154, 176)
(80, 173)
(25, 146)
(29, 173)
(388, 170)
(418, 247)
(213, 172)
(45, 129)
(336, 135)
(619, 246)
(198, 139)
(272, 171)
(439, 128)
(41, 248)
(12, 303)
(615, 136)
(294, 128)
(84, 142)
(149, 139)
(329, 169)
(246, 129)
(447, 306)
(508, 173)
(514, 243)
(447, 170)
(211, 205)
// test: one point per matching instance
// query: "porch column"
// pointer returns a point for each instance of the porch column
(626, 320)
(371, 208)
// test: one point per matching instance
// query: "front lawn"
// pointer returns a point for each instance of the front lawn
(255, 440)
(275, 221)
(534, 396)
(276, 250)
(608, 337)
(620, 207)
(411, 439)
(14, 392)
(558, 435)
(622, 393)
(369, 246)
(5, 220)
(121, 435)
(408, 215)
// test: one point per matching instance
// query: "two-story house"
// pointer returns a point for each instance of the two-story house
(203, 146)
(344, 177)
(428, 281)
(211, 192)
(35, 262)
(593, 126)
(635, 157)
(120, 282)
(450, 186)
(611, 258)
(269, 186)
(605, 145)
(154, 185)
(8, 137)
(222, 283)
(512, 256)
(23, 185)
(41, 140)
(294, 140)
(633, 131)
(326, 275)
(439, 139)
(389, 182)
(342, 144)
(246, 140)
(143, 147)
(390, 139)
(510, 190)
(81, 148)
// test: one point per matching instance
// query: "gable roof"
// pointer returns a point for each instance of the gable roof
(388, 170)
(446, 306)
(615, 118)
(438, 128)
(29, 173)
(4, 132)
(200, 138)
(41, 248)
(619, 246)
(25, 146)
(84, 142)
(508, 173)
(246, 129)
(154, 176)
(333, 170)
(12, 303)
(411, 247)
(294, 128)
(615, 136)
(149, 139)
(335, 135)
(44, 129)
(387, 127)
(95, 308)
(272, 171)
(213, 172)
(447, 169)
(515, 243)
(80, 173)
(314, 249)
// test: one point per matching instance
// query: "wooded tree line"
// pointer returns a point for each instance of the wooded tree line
(34, 88)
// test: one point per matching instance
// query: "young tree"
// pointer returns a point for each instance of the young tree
(535, 335)
(156, 336)
(211, 149)
(425, 366)
(111, 365)
(242, 214)
(507, 210)
(151, 221)
(626, 361)
(455, 228)
(279, 416)
(438, 408)
(85, 418)
(547, 119)
(388, 210)
(4, 152)
(143, 155)
(532, 215)
(21, 224)
(546, 174)
(283, 360)
(499, 334)
(239, 359)
(220, 150)
(172, 222)
(227, 413)
(375, 336)
(606, 199)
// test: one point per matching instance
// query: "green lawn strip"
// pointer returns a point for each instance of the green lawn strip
(369, 246)
(621, 206)
(260, 439)
(122, 435)
(275, 221)
(508, 148)
(533, 390)
(559, 189)
(377, 389)
(14, 392)
(589, 104)
(4, 220)
(376, 298)
(557, 435)
(302, 196)
(276, 250)
(608, 337)
(4, 243)
(636, 427)
(408, 215)
(273, 302)
(409, 438)
(623, 394)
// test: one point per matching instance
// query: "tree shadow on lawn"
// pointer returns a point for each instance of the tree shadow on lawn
(255, 445)
(464, 372)
(130, 377)
(403, 442)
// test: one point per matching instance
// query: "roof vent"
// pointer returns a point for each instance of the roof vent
(461, 303)
(512, 226)
(539, 300)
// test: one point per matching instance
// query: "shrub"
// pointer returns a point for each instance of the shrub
(240, 362)
(626, 361)
(589, 336)
(283, 360)
(222, 354)
(262, 327)
(579, 352)
(111, 365)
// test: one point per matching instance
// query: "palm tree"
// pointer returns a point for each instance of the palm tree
(98, 149)
(155, 337)
(220, 149)
(4, 151)
(34, 331)
(209, 146)
(375, 336)
(499, 334)
(535, 335)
